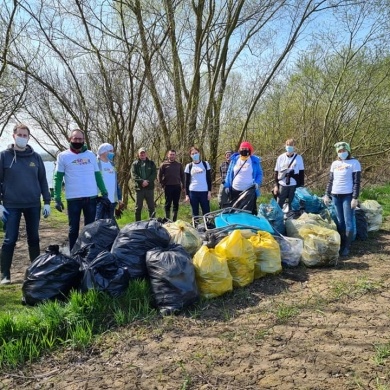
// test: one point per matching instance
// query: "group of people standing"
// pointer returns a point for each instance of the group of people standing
(23, 183)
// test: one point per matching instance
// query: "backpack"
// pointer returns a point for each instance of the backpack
(204, 164)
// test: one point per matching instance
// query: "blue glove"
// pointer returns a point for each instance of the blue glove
(3, 213)
(46, 210)
(59, 206)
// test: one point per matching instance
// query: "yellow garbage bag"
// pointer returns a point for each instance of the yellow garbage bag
(212, 273)
(320, 245)
(240, 257)
(183, 233)
(267, 251)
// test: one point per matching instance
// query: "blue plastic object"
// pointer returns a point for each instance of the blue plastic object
(243, 221)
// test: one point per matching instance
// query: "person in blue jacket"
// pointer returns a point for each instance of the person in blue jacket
(244, 172)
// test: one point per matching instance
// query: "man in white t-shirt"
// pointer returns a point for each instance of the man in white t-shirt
(78, 168)
(289, 174)
(106, 165)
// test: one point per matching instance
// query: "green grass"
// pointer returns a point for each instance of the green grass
(28, 334)
(379, 193)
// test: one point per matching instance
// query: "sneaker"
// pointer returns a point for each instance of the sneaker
(5, 280)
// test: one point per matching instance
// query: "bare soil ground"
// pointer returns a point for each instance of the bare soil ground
(305, 328)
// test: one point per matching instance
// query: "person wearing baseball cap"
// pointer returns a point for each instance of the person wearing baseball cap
(244, 172)
(343, 190)
(223, 169)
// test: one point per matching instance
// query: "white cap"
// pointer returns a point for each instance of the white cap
(103, 148)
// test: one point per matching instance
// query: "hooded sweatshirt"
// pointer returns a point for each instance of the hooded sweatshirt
(22, 178)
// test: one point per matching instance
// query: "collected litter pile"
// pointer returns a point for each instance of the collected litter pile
(228, 248)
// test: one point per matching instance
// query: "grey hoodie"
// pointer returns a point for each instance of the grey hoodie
(22, 178)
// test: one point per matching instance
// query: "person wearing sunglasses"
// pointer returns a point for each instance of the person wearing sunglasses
(343, 190)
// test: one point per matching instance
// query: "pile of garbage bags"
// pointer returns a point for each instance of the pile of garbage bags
(183, 263)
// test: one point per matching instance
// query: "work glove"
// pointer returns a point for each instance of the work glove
(105, 201)
(3, 213)
(59, 206)
(354, 203)
(227, 190)
(327, 200)
(46, 210)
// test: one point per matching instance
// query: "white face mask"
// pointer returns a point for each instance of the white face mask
(21, 142)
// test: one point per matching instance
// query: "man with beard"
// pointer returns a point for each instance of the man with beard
(78, 168)
(171, 178)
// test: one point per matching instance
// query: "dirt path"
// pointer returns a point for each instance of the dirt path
(301, 329)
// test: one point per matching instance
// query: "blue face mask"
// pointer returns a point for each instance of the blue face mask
(343, 155)
(289, 149)
(195, 156)
(110, 155)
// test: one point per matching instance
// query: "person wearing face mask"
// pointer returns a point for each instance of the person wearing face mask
(244, 172)
(343, 190)
(289, 174)
(171, 179)
(79, 169)
(105, 156)
(22, 183)
(198, 183)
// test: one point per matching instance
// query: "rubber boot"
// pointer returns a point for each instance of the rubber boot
(347, 244)
(6, 261)
(34, 252)
(167, 214)
(174, 216)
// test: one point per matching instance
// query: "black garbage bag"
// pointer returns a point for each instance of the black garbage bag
(134, 240)
(245, 201)
(94, 238)
(105, 274)
(50, 276)
(213, 237)
(361, 224)
(172, 277)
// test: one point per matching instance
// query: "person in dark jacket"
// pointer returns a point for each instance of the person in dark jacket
(144, 173)
(171, 179)
(22, 182)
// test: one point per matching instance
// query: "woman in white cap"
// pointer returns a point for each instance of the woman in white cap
(343, 189)
(105, 157)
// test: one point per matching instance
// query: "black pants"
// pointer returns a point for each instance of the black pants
(172, 195)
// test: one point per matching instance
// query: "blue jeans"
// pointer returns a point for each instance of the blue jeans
(344, 213)
(75, 206)
(32, 217)
(199, 198)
